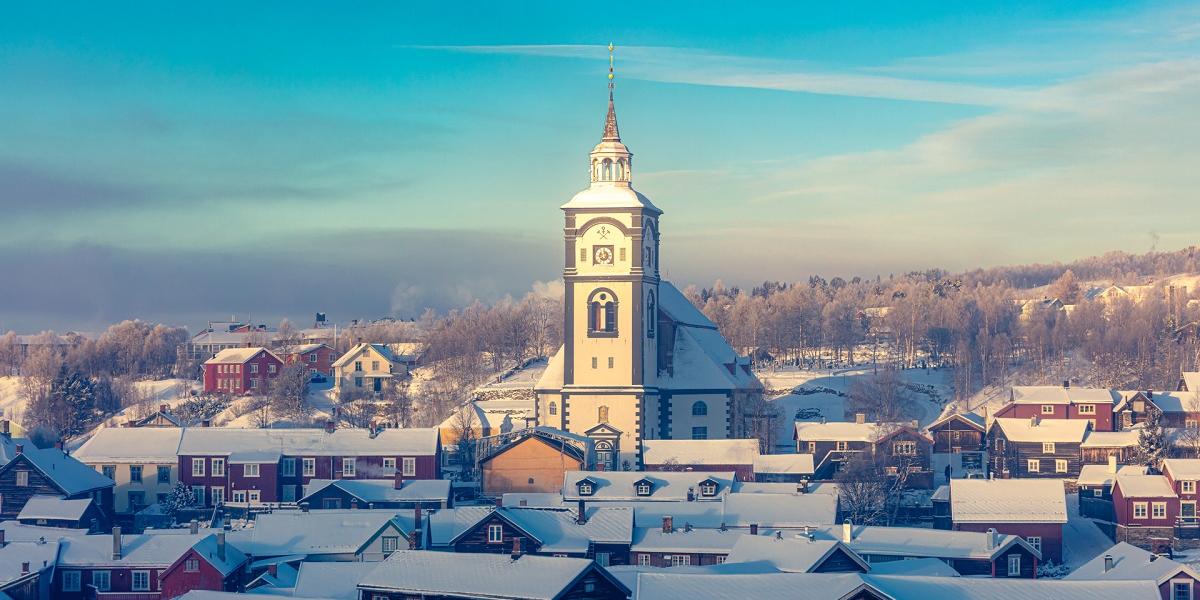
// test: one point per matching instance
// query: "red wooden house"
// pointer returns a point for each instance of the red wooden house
(317, 357)
(1145, 508)
(1182, 474)
(210, 564)
(241, 371)
(1035, 509)
(1052, 402)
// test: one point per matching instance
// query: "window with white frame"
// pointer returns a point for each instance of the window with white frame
(22, 478)
(842, 446)
(1060, 466)
(721, 559)
(643, 489)
(495, 534)
(191, 565)
(1140, 510)
(389, 465)
(1158, 510)
(252, 496)
(1047, 409)
(1047, 447)
(1181, 589)
(585, 489)
(644, 560)
(197, 467)
(253, 368)
(410, 466)
(218, 495)
(271, 369)
(1035, 541)
(1191, 424)
(70, 581)
(287, 468)
(681, 560)
(708, 489)
(250, 470)
(141, 581)
(1014, 565)
(390, 543)
(102, 580)
(308, 467)
(1098, 492)
(1087, 409)
(348, 467)
(812, 447)
(904, 448)
(1187, 487)
(218, 467)
(1033, 465)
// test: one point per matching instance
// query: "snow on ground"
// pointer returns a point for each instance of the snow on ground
(1082, 539)
(817, 394)
(12, 404)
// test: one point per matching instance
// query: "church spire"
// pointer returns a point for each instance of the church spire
(610, 121)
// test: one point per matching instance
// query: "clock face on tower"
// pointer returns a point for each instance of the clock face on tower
(602, 255)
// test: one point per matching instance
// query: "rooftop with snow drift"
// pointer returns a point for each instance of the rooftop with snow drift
(1043, 430)
(1008, 501)
(700, 452)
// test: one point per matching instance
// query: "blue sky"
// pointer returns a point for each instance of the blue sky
(185, 163)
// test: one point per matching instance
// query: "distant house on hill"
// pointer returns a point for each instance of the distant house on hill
(317, 357)
(241, 371)
(367, 368)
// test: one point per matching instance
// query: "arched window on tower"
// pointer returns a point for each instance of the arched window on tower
(621, 170)
(553, 408)
(651, 316)
(606, 170)
(595, 169)
(602, 314)
(699, 409)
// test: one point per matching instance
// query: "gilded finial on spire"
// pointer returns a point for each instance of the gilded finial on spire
(610, 120)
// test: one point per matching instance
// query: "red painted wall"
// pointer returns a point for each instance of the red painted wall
(241, 375)
(324, 362)
(1051, 534)
(1123, 510)
(1103, 416)
(176, 581)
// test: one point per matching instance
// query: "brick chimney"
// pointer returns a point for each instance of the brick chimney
(991, 538)
(516, 548)
(581, 513)
(754, 529)
(668, 524)
(221, 546)
(353, 503)
(273, 570)
(25, 568)
(116, 543)
(162, 408)
(860, 418)
(330, 426)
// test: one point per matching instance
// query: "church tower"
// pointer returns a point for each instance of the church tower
(611, 282)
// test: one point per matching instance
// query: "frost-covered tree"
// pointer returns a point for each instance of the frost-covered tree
(1152, 441)
(179, 499)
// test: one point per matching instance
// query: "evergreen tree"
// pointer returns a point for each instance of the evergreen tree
(1152, 441)
(180, 498)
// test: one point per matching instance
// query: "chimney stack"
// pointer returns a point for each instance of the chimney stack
(206, 423)
(303, 507)
(330, 426)
(194, 526)
(847, 532)
(2, 542)
(1108, 562)
(1033, 421)
(860, 418)
(116, 539)
(802, 486)
(991, 538)
(418, 518)
(20, 448)
(916, 424)
(668, 524)
(516, 548)
(581, 513)
(353, 503)
(25, 568)
(162, 408)
(221, 546)
(1112, 463)
(5, 428)
(1067, 384)
(414, 540)
(754, 529)
(691, 497)
(273, 570)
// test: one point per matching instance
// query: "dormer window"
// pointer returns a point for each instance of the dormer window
(643, 487)
(708, 488)
(585, 488)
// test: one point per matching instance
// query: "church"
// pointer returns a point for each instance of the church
(638, 361)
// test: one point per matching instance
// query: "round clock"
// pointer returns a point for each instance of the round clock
(604, 255)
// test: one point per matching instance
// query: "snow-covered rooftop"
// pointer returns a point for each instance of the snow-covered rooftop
(335, 580)
(922, 542)
(384, 490)
(1045, 430)
(383, 350)
(788, 554)
(136, 550)
(236, 356)
(1054, 394)
(473, 575)
(558, 530)
(838, 431)
(1008, 501)
(709, 541)
(247, 445)
(70, 475)
(54, 508)
(39, 555)
(1102, 475)
(665, 485)
(1130, 563)
(916, 567)
(316, 532)
(1182, 468)
(1110, 439)
(1144, 486)
(785, 464)
(137, 445)
(780, 510)
(700, 452)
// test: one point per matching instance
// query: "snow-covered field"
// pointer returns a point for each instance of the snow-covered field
(817, 394)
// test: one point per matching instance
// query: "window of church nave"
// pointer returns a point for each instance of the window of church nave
(553, 408)
(651, 316)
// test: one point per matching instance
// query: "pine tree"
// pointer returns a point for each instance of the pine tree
(1151, 441)
(180, 498)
